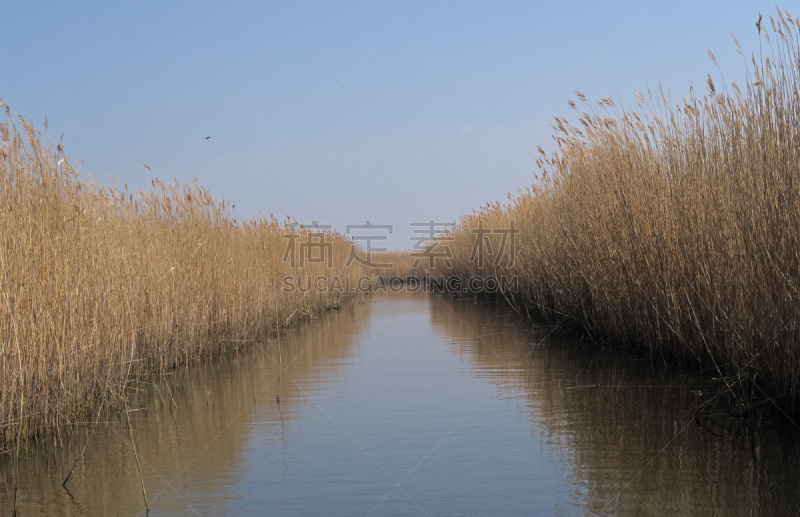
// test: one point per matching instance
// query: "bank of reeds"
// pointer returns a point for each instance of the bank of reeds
(99, 285)
(674, 227)
(395, 265)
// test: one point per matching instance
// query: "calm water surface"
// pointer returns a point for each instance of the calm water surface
(409, 404)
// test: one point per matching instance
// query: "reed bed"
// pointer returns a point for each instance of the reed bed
(100, 286)
(674, 227)
(395, 265)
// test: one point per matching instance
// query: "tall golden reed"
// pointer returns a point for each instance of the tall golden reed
(99, 285)
(673, 227)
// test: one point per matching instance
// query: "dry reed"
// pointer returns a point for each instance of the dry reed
(673, 227)
(394, 265)
(99, 285)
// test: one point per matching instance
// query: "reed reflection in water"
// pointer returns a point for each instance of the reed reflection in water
(410, 404)
(626, 426)
(196, 446)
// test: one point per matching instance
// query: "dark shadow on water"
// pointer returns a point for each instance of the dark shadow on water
(627, 424)
(441, 394)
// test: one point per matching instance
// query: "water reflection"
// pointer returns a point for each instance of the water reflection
(627, 426)
(193, 448)
(410, 404)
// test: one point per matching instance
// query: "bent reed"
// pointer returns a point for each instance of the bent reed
(670, 227)
(100, 286)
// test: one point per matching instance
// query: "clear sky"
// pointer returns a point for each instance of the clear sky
(395, 112)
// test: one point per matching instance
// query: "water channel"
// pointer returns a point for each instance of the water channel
(413, 404)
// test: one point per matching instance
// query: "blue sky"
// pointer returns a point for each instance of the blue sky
(396, 112)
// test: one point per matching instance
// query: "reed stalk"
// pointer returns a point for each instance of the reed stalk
(674, 227)
(100, 285)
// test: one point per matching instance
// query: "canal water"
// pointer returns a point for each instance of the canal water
(412, 404)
